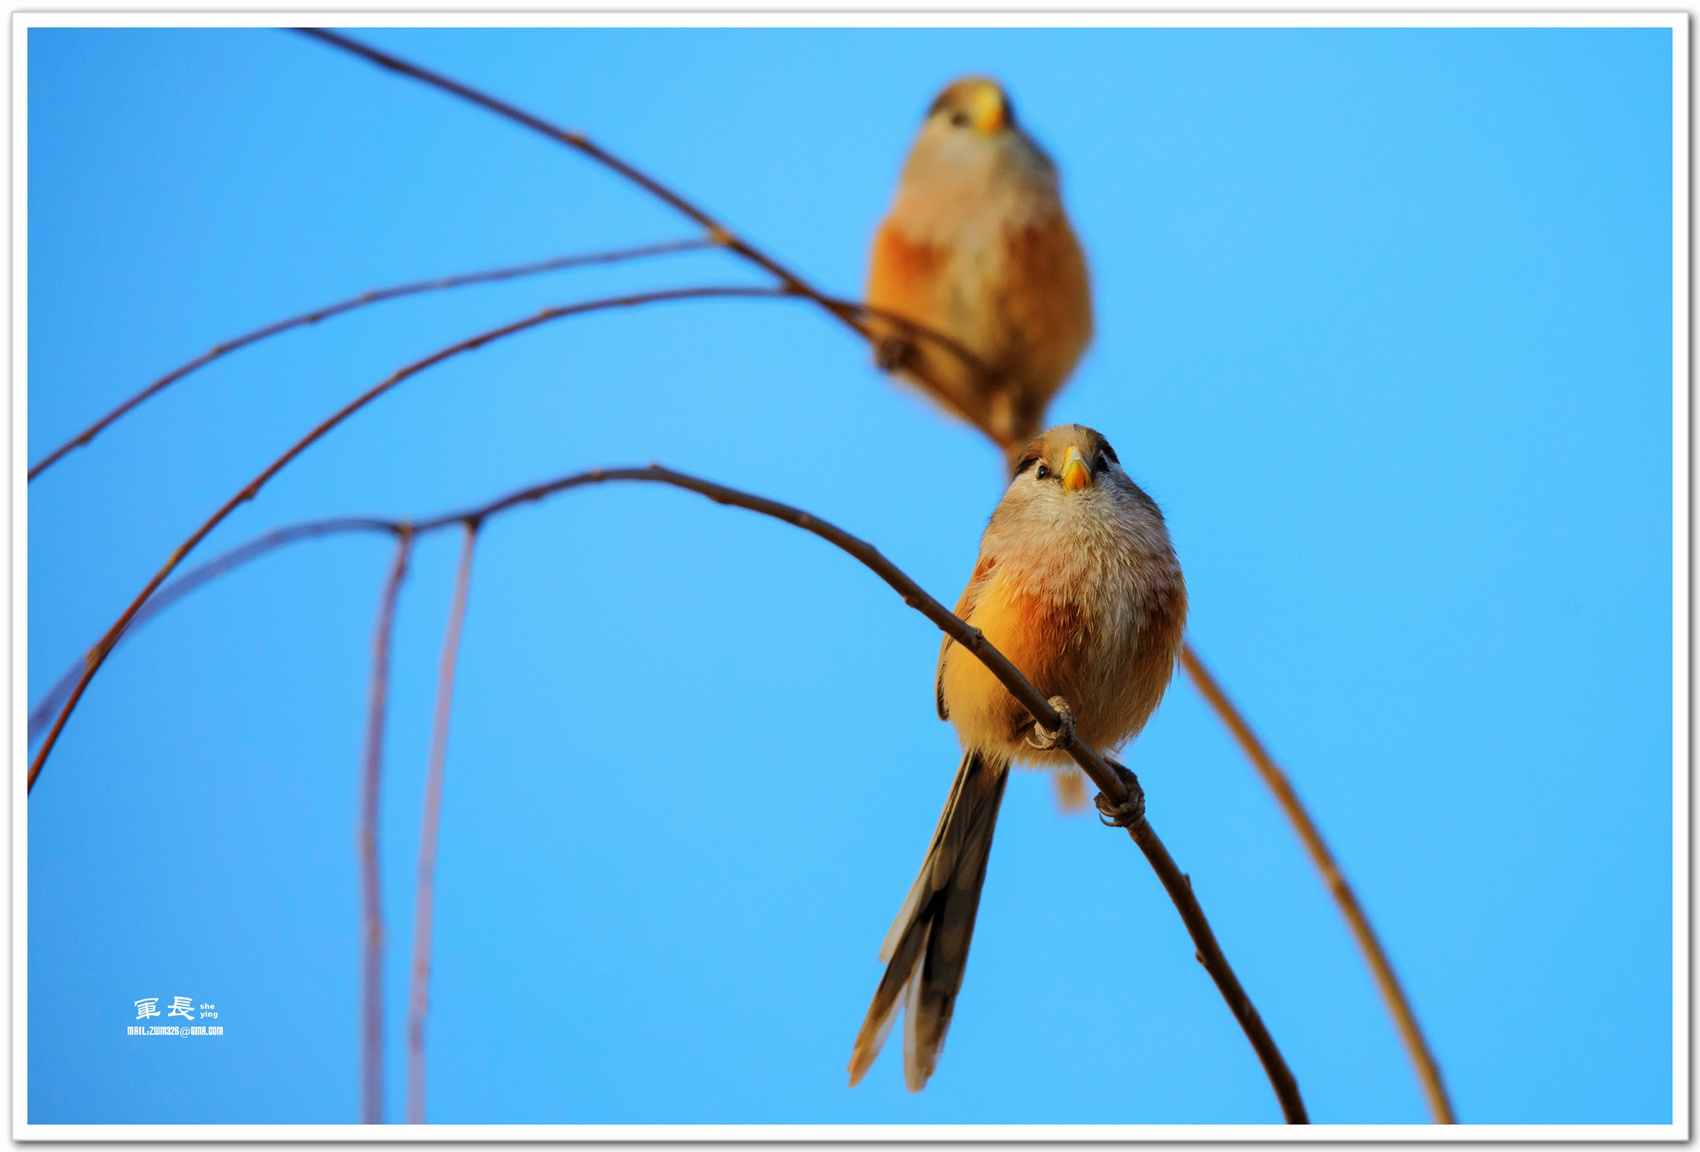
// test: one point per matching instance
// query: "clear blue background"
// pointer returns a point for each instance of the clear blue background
(1384, 325)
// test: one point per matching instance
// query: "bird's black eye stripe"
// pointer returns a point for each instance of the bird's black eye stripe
(959, 119)
(1026, 463)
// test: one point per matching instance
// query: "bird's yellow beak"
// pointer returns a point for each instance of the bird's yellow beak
(986, 109)
(1075, 474)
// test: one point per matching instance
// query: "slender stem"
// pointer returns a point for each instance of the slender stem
(584, 145)
(375, 296)
(1381, 968)
(56, 696)
(1175, 882)
(371, 895)
(1102, 774)
(848, 313)
(97, 655)
(419, 1001)
(967, 403)
(1179, 887)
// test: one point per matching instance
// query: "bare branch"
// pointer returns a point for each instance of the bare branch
(419, 1000)
(375, 296)
(97, 655)
(56, 696)
(849, 314)
(1103, 773)
(1175, 882)
(372, 905)
(970, 406)
(1428, 1070)
(584, 145)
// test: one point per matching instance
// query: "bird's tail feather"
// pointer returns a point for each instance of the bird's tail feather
(927, 948)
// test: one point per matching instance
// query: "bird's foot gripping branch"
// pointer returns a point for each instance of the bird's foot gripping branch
(1128, 813)
(1061, 737)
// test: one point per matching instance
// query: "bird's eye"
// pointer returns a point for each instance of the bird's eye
(1103, 463)
(1041, 472)
(959, 119)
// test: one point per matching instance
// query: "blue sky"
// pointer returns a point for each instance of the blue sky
(1384, 325)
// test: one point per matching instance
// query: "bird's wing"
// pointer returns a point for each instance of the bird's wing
(1047, 306)
(964, 609)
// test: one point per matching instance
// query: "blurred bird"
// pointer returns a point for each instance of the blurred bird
(978, 249)
(1078, 585)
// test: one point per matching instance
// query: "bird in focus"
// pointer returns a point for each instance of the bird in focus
(977, 248)
(1078, 585)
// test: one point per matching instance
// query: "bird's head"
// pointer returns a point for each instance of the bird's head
(1070, 500)
(1071, 457)
(1070, 475)
(972, 104)
(970, 138)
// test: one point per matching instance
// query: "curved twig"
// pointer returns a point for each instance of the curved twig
(1428, 1071)
(371, 896)
(849, 314)
(844, 312)
(97, 655)
(1175, 882)
(1102, 772)
(419, 1000)
(49, 705)
(375, 296)
(721, 234)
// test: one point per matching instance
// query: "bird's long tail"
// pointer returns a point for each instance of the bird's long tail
(927, 948)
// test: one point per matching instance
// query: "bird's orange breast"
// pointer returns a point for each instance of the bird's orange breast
(903, 275)
(1112, 678)
(1040, 637)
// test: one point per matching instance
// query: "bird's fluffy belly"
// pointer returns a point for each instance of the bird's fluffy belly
(952, 285)
(1064, 652)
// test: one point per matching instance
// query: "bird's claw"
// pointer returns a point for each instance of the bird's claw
(892, 353)
(1128, 814)
(1044, 739)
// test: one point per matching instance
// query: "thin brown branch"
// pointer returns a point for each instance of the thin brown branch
(968, 405)
(56, 696)
(1179, 887)
(419, 1001)
(972, 404)
(849, 313)
(1428, 1070)
(965, 404)
(1175, 883)
(588, 148)
(50, 704)
(97, 655)
(371, 895)
(374, 296)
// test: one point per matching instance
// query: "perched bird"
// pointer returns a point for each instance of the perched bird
(1078, 585)
(977, 248)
